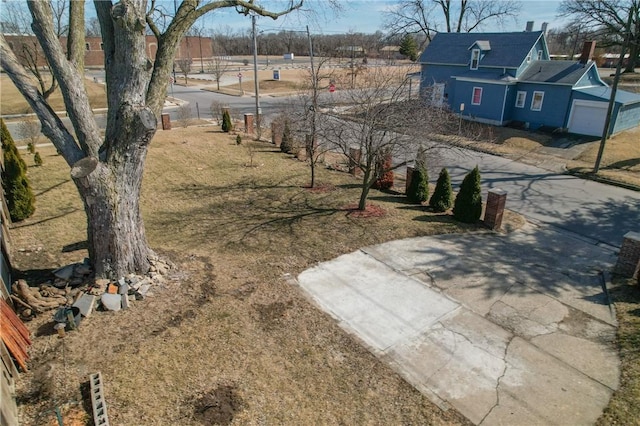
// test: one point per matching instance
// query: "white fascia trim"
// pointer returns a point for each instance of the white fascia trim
(480, 80)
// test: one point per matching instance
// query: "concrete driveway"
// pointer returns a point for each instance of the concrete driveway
(508, 329)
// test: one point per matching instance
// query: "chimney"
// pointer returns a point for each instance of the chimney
(543, 28)
(529, 26)
(587, 51)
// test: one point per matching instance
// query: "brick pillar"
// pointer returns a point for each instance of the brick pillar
(166, 121)
(276, 133)
(495, 208)
(354, 160)
(629, 256)
(248, 124)
(408, 181)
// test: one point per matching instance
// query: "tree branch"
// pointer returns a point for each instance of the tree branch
(52, 126)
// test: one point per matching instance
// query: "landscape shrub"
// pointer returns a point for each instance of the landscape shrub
(31, 148)
(468, 204)
(227, 126)
(286, 145)
(442, 197)
(385, 179)
(418, 191)
(238, 140)
(20, 198)
(37, 159)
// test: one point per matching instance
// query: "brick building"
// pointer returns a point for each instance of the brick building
(190, 47)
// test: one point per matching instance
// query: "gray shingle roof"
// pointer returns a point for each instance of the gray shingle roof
(622, 96)
(507, 49)
(561, 72)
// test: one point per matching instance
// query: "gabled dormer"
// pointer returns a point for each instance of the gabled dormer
(478, 49)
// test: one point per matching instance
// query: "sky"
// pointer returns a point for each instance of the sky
(367, 16)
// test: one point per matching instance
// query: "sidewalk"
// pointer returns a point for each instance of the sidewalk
(507, 329)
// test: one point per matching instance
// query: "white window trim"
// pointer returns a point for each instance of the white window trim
(524, 99)
(473, 92)
(533, 99)
(473, 53)
(539, 55)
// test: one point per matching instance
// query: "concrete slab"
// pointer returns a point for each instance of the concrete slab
(508, 329)
(383, 307)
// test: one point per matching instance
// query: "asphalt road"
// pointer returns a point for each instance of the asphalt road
(595, 211)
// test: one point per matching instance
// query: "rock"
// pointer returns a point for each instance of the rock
(81, 270)
(125, 301)
(64, 273)
(121, 281)
(159, 279)
(102, 282)
(85, 303)
(59, 283)
(76, 281)
(99, 286)
(111, 302)
(142, 291)
(124, 289)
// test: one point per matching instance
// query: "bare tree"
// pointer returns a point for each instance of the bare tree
(30, 129)
(428, 17)
(107, 170)
(219, 66)
(382, 122)
(184, 65)
(608, 19)
(303, 114)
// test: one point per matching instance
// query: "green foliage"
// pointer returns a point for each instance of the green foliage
(37, 159)
(31, 148)
(418, 191)
(286, 145)
(20, 198)
(384, 173)
(442, 197)
(468, 205)
(238, 140)
(227, 126)
(409, 48)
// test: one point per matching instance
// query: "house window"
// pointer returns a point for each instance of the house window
(86, 45)
(539, 55)
(477, 96)
(475, 58)
(536, 102)
(521, 98)
(101, 46)
(529, 57)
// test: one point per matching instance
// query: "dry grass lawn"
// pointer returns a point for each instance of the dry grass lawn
(228, 339)
(12, 102)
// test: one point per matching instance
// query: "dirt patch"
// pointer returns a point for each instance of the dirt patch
(272, 314)
(371, 210)
(218, 406)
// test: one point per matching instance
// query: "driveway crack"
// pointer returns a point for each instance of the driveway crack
(498, 382)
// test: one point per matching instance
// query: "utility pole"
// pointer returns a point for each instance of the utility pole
(255, 74)
(612, 100)
(311, 148)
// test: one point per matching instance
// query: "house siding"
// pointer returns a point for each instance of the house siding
(492, 96)
(554, 111)
(626, 117)
(591, 78)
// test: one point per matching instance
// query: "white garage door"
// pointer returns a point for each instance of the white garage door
(587, 117)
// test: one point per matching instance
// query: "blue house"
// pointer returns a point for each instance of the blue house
(500, 78)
